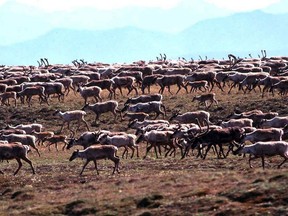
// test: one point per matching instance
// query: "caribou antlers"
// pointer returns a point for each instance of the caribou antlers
(233, 61)
(78, 64)
(264, 55)
(163, 57)
(43, 62)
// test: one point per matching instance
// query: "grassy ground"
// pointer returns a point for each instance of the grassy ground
(164, 186)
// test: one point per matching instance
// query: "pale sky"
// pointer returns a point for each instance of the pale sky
(28, 19)
(66, 5)
(243, 5)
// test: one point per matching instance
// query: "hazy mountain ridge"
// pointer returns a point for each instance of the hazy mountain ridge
(242, 33)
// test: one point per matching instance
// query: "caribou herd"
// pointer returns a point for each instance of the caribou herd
(254, 132)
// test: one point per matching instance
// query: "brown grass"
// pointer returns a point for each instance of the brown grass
(164, 186)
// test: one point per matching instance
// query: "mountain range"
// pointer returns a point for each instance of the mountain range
(240, 34)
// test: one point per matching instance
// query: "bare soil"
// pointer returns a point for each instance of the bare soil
(164, 186)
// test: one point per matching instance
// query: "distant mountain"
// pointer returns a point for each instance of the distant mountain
(116, 45)
(240, 33)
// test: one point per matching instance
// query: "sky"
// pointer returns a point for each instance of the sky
(27, 19)
(110, 5)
